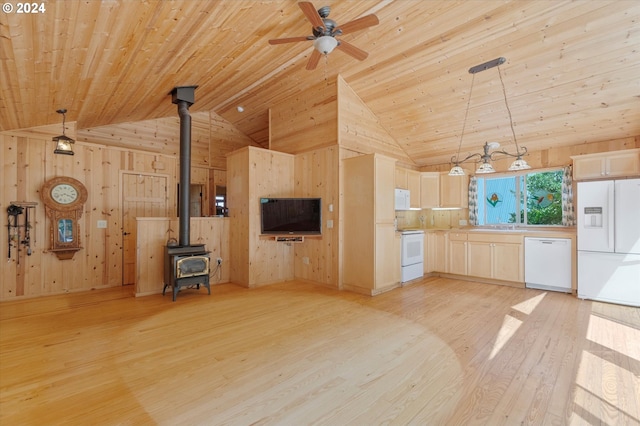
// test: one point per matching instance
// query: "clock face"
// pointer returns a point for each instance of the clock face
(64, 193)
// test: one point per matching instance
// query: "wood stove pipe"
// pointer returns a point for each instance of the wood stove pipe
(184, 97)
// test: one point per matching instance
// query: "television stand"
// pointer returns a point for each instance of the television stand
(289, 239)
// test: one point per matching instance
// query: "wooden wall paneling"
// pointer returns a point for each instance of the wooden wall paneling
(360, 130)
(8, 193)
(214, 233)
(152, 236)
(271, 174)
(253, 173)
(28, 160)
(306, 122)
(316, 175)
(224, 138)
(220, 177)
(200, 139)
(238, 201)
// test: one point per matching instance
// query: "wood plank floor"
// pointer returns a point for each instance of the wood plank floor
(439, 351)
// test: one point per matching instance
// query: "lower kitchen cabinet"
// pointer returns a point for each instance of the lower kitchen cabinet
(457, 253)
(498, 257)
(435, 251)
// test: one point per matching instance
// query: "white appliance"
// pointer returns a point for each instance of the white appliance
(412, 255)
(403, 199)
(609, 241)
(547, 263)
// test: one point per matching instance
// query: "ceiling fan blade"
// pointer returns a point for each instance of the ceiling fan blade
(313, 60)
(359, 24)
(311, 13)
(287, 40)
(351, 50)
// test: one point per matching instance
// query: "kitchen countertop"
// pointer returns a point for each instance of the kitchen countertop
(545, 231)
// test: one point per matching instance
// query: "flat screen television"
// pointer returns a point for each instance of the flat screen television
(291, 216)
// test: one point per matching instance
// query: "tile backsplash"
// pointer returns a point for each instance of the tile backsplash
(431, 219)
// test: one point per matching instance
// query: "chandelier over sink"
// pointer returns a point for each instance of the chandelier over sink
(486, 157)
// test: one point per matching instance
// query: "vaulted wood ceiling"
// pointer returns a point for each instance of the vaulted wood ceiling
(572, 73)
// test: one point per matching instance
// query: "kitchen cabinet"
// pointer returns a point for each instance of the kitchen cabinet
(457, 253)
(371, 253)
(435, 252)
(606, 164)
(401, 178)
(494, 256)
(413, 184)
(410, 180)
(429, 190)
(454, 191)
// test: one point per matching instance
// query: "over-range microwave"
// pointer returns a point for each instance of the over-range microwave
(403, 199)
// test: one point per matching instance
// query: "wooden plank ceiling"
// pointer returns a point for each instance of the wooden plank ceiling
(572, 73)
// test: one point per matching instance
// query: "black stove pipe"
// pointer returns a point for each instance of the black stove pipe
(183, 96)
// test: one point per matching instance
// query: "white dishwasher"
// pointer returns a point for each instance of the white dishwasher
(547, 263)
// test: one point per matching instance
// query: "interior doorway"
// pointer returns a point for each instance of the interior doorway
(143, 195)
(195, 200)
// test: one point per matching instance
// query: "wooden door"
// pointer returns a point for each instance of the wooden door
(143, 195)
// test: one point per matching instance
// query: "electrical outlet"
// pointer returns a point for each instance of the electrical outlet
(102, 224)
(305, 260)
(219, 261)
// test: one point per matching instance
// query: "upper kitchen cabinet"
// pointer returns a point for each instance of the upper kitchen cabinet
(604, 165)
(410, 180)
(402, 178)
(413, 183)
(429, 190)
(454, 191)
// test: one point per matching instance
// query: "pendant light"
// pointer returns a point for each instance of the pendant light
(486, 157)
(64, 144)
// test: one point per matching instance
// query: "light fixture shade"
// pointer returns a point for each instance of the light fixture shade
(519, 164)
(325, 44)
(456, 171)
(485, 168)
(63, 145)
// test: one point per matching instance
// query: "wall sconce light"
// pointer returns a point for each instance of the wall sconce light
(64, 144)
(486, 157)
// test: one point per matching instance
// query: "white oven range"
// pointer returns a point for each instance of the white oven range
(412, 254)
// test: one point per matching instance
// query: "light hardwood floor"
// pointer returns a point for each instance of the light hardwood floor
(436, 352)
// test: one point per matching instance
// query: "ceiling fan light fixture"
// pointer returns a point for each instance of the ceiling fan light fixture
(325, 44)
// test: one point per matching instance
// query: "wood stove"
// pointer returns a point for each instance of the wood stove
(186, 266)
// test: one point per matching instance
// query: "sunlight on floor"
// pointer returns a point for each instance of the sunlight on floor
(611, 360)
(528, 306)
(608, 333)
(511, 324)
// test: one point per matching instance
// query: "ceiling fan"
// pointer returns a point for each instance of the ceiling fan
(325, 31)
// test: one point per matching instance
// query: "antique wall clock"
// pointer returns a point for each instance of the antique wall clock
(64, 199)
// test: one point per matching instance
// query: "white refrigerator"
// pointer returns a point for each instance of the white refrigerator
(608, 217)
